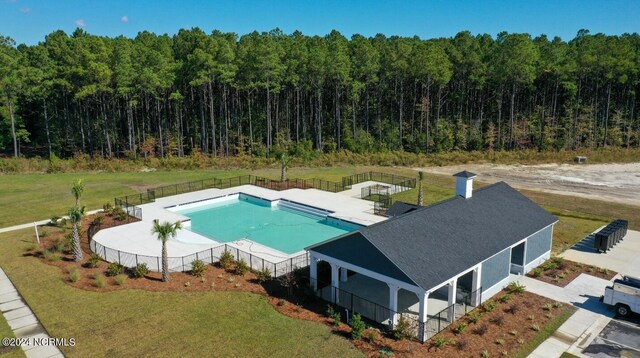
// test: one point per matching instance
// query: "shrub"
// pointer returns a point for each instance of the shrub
(107, 207)
(537, 272)
(59, 245)
(94, 260)
(475, 316)
(100, 280)
(535, 327)
(357, 326)
(198, 268)
(500, 341)
(370, 335)
(461, 344)
(520, 341)
(226, 260)
(481, 329)
(559, 261)
(562, 275)
(281, 302)
(557, 304)
(141, 270)
(51, 256)
(97, 221)
(114, 269)
(74, 274)
(531, 317)
(504, 353)
(333, 314)
(489, 305)
(516, 287)
(547, 307)
(513, 332)
(506, 298)
(442, 342)
(403, 329)
(263, 275)
(119, 214)
(549, 265)
(485, 354)
(242, 267)
(513, 309)
(460, 328)
(498, 320)
(121, 280)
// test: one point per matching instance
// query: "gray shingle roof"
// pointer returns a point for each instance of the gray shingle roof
(432, 244)
(465, 174)
(400, 207)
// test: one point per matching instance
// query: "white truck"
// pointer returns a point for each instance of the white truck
(624, 295)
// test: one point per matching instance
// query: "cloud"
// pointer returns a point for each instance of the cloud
(81, 23)
(25, 10)
(125, 19)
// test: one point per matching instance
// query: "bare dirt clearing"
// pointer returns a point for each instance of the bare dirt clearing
(609, 182)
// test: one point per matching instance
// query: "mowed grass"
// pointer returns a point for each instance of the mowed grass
(140, 323)
(6, 332)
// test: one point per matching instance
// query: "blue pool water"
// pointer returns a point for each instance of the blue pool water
(283, 229)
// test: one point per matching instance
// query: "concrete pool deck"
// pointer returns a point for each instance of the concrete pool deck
(136, 238)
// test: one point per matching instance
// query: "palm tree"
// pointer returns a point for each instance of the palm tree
(77, 189)
(164, 231)
(420, 193)
(284, 161)
(75, 215)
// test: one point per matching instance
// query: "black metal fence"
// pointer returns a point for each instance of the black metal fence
(398, 182)
(210, 256)
(443, 319)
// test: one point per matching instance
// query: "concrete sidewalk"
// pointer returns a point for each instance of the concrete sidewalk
(23, 322)
(39, 223)
(582, 327)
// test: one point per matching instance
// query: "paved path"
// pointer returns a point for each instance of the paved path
(583, 326)
(22, 321)
(39, 223)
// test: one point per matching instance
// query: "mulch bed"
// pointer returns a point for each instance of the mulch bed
(560, 272)
(503, 322)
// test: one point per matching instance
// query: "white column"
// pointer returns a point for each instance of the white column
(313, 271)
(423, 314)
(452, 298)
(335, 281)
(343, 274)
(475, 286)
(393, 303)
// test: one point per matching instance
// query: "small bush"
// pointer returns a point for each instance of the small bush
(485, 354)
(141, 270)
(535, 327)
(242, 267)
(531, 317)
(370, 335)
(462, 344)
(51, 256)
(513, 309)
(520, 341)
(460, 328)
(281, 302)
(559, 261)
(547, 307)
(557, 304)
(537, 272)
(114, 269)
(489, 305)
(74, 274)
(226, 260)
(198, 268)
(498, 320)
(481, 329)
(403, 329)
(333, 314)
(100, 280)
(549, 265)
(504, 353)
(442, 342)
(107, 207)
(97, 221)
(475, 316)
(506, 298)
(500, 342)
(263, 275)
(94, 260)
(59, 245)
(119, 214)
(513, 333)
(121, 280)
(357, 326)
(516, 287)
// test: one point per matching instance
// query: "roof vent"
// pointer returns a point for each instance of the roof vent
(464, 184)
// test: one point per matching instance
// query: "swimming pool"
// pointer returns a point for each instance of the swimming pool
(278, 226)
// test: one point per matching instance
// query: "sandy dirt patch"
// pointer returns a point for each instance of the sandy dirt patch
(608, 182)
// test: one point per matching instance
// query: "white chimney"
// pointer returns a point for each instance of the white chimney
(464, 184)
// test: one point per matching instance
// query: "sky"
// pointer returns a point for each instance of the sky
(28, 21)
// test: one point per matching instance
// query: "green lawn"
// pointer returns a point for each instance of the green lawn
(5, 331)
(141, 323)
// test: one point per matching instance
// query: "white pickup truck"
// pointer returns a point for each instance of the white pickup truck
(624, 295)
